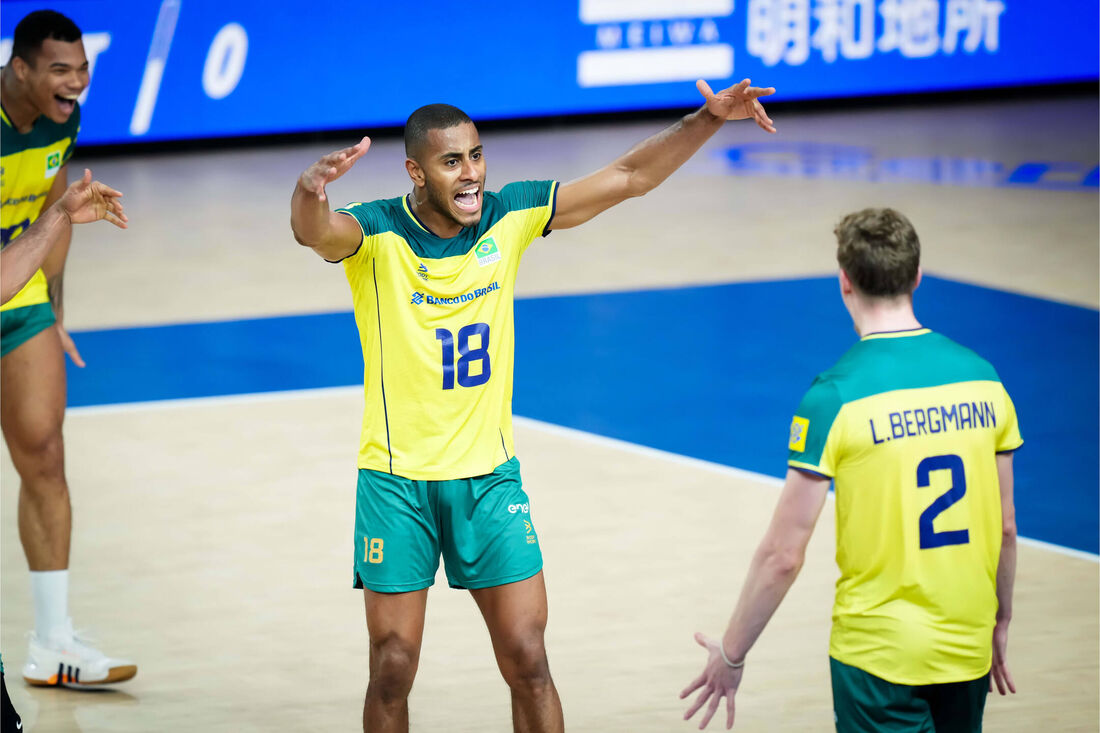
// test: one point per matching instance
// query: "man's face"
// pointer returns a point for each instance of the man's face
(454, 172)
(55, 77)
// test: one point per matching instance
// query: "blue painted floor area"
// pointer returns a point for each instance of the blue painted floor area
(709, 372)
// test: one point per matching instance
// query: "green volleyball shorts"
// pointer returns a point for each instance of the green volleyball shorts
(20, 325)
(481, 526)
(864, 703)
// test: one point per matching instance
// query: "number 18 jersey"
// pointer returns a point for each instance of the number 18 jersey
(909, 425)
(436, 324)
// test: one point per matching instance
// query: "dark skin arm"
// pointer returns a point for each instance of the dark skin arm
(84, 201)
(650, 162)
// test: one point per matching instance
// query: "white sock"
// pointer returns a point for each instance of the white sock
(50, 589)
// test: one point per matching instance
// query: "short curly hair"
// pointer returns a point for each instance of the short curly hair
(880, 252)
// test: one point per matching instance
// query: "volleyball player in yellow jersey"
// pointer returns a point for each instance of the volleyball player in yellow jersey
(918, 434)
(432, 276)
(39, 88)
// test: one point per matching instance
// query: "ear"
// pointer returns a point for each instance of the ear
(20, 67)
(845, 283)
(920, 274)
(416, 173)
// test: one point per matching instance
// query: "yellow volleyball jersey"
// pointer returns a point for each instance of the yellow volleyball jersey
(908, 424)
(29, 163)
(436, 326)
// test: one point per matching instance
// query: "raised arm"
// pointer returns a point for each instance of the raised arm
(84, 201)
(1006, 578)
(331, 235)
(774, 568)
(650, 162)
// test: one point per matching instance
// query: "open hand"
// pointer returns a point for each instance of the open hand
(330, 167)
(718, 680)
(88, 200)
(738, 102)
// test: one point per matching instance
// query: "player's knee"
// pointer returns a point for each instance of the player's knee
(41, 456)
(393, 667)
(527, 667)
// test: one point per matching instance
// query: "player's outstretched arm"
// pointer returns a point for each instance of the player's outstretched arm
(774, 568)
(333, 236)
(84, 201)
(650, 162)
(1006, 579)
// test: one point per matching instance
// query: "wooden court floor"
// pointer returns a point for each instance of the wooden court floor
(212, 538)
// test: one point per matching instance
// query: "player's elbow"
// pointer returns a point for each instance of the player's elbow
(639, 184)
(784, 561)
(1008, 530)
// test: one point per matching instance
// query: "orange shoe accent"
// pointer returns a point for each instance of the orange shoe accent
(42, 683)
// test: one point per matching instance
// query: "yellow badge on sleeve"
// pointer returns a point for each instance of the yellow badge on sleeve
(799, 427)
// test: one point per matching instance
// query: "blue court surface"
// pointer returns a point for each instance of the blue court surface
(710, 372)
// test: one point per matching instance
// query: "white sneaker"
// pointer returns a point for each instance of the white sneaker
(66, 660)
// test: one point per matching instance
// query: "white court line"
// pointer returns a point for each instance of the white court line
(526, 422)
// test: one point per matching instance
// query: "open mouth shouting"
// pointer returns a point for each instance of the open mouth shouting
(66, 103)
(469, 199)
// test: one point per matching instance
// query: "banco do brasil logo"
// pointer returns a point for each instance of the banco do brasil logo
(417, 298)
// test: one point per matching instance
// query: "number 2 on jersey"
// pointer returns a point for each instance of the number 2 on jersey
(466, 355)
(929, 537)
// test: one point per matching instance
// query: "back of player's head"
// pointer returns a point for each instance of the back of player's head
(37, 27)
(880, 252)
(430, 117)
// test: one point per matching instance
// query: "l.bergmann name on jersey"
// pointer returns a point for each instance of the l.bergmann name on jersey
(418, 298)
(935, 419)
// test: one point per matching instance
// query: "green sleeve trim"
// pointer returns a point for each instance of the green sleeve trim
(812, 423)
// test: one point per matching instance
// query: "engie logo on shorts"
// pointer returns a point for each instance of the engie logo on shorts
(525, 508)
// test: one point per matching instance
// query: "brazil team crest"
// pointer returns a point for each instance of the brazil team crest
(53, 164)
(487, 252)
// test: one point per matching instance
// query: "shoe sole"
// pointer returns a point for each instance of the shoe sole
(115, 674)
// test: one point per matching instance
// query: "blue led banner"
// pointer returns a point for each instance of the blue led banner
(198, 68)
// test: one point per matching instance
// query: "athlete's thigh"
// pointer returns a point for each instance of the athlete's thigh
(487, 532)
(513, 612)
(396, 542)
(32, 393)
(864, 703)
(397, 616)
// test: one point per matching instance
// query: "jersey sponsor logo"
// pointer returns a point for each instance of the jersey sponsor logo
(935, 419)
(53, 164)
(422, 272)
(487, 252)
(525, 508)
(799, 427)
(29, 198)
(419, 298)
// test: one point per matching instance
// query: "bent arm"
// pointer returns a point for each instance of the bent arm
(333, 236)
(22, 258)
(1006, 566)
(777, 561)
